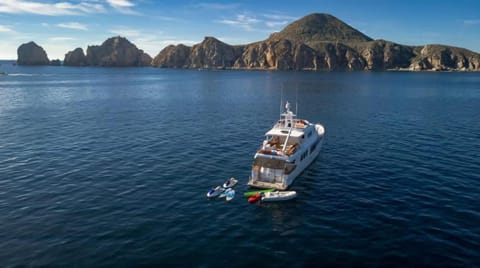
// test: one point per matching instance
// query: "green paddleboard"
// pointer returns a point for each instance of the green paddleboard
(252, 193)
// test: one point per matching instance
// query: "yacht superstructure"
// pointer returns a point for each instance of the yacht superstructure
(289, 147)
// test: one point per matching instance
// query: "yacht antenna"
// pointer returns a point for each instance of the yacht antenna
(296, 103)
(281, 101)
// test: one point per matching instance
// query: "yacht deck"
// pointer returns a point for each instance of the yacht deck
(267, 185)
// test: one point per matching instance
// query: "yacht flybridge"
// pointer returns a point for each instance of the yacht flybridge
(289, 147)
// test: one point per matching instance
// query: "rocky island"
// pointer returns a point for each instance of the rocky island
(31, 54)
(319, 42)
(114, 52)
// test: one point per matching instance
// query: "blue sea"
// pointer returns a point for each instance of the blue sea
(109, 167)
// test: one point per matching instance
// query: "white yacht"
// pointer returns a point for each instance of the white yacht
(289, 147)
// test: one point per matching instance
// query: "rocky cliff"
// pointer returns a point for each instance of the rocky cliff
(211, 53)
(444, 58)
(173, 57)
(118, 52)
(75, 58)
(31, 54)
(318, 42)
(115, 52)
(56, 62)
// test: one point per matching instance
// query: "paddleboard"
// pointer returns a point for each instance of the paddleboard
(224, 193)
(230, 195)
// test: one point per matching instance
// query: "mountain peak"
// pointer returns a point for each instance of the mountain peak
(320, 27)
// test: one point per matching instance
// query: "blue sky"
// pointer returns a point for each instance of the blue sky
(62, 25)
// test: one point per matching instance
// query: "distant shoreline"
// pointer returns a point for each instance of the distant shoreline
(400, 70)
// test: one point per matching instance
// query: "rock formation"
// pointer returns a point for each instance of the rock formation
(55, 62)
(212, 53)
(118, 52)
(173, 57)
(444, 58)
(318, 42)
(31, 54)
(75, 58)
(115, 52)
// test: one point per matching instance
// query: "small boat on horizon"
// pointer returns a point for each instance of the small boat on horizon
(290, 146)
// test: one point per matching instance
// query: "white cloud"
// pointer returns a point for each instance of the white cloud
(48, 9)
(123, 6)
(120, 3)
(5, 29)
(277, 20)
(61, 39)
(73, 25)
(274, 24)
(242, 21)
(258, 23)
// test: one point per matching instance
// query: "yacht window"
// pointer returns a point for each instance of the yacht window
(269, 163)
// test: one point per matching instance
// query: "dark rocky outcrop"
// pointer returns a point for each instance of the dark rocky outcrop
(381, 54)
(55, 62)
(75, 58)
(278, 54)
(118, 52)
(173, 57)
(211, 53)
(31, 54)
(115, 52)
(318, 42)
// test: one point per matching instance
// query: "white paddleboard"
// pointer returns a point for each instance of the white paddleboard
(230, 195)
(224, 193)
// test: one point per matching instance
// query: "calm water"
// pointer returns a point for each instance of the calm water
(110, 167)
